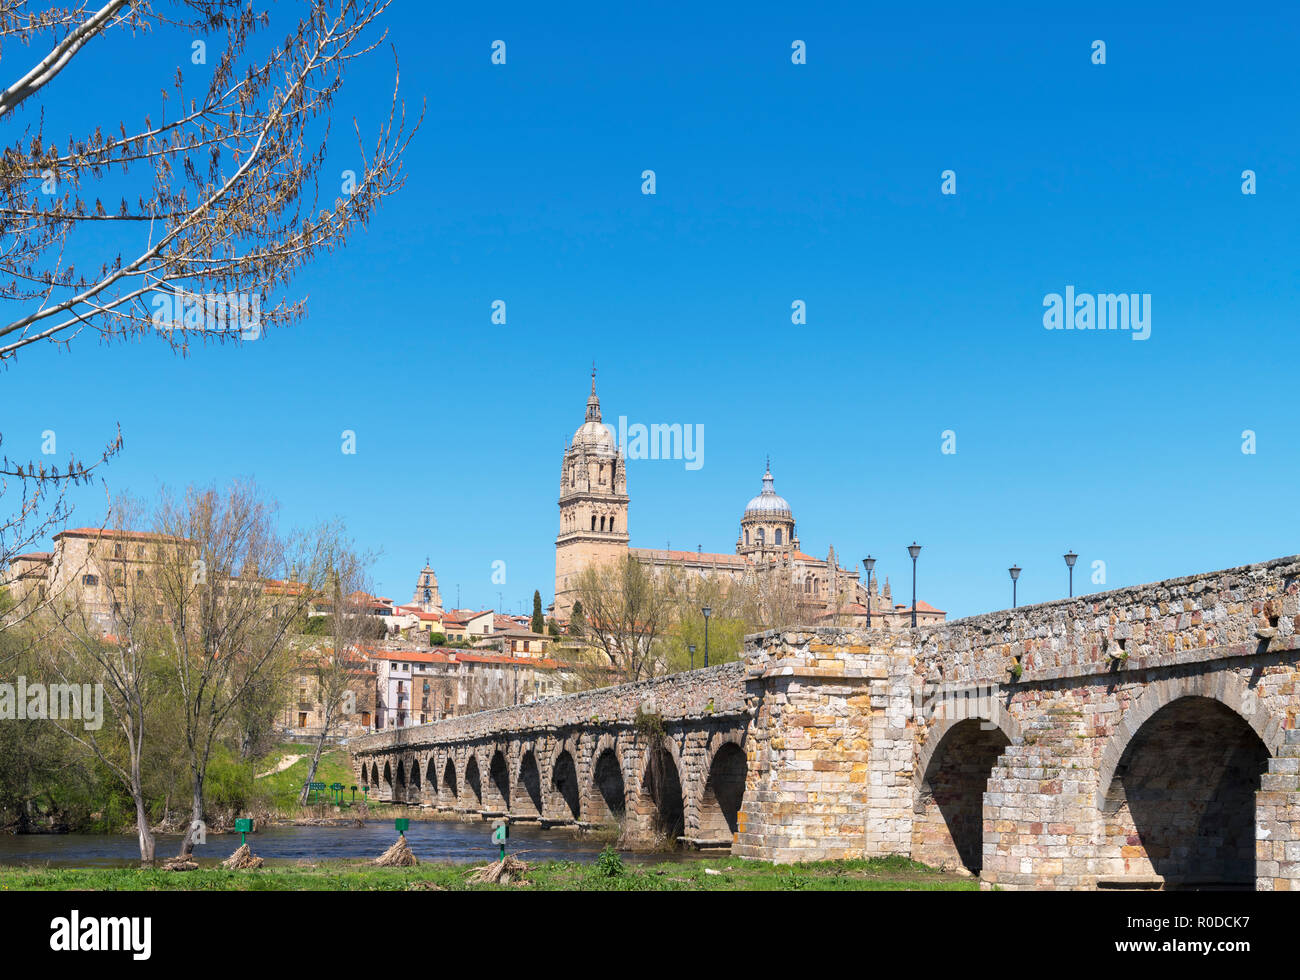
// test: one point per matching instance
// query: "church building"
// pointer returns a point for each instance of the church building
(594, 530)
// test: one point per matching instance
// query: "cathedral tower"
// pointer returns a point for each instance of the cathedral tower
(593, 503)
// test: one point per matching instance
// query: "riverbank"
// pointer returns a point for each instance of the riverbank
(717, 874)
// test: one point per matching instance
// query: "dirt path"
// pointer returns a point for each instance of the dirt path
(282, 765)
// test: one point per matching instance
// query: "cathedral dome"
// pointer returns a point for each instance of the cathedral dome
(768, 503)
(596, 437)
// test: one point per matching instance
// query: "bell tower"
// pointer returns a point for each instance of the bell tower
(593, 503)
(426, 591)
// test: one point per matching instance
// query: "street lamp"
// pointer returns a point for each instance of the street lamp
(1070, 559)
(691, 648)
(1015, 574)
(914, 550)
(707, 613)
(868, 563)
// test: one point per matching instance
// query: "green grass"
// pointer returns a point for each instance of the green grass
(282, 788)
(886, 874)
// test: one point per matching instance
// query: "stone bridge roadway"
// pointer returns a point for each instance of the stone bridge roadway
(663, 759)
(1144, 737)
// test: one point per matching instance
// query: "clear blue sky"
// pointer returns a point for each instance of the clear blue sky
(775, 182)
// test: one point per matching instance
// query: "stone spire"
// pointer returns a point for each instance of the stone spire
(593, 403)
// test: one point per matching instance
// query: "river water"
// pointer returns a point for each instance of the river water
(453, 841)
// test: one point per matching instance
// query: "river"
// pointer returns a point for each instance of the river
(453, 841)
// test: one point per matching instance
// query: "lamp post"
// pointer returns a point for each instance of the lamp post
(691, 648)
(1015, 574)
(914, 550)
(1070, 559)
(868, 563)
(707, 613)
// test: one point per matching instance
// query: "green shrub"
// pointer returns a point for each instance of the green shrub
(610, 863)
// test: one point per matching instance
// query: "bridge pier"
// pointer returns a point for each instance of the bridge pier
(1278, 820)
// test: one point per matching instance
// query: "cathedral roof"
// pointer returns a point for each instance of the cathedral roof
(768, 503)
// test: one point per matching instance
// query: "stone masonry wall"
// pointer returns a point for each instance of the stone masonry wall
(713, 691)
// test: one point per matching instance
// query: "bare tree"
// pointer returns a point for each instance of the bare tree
(229, 599)
(626, 608)
(40, 505)
(124, 662)
(769, 598)
(338, 667)
(228, 182)
(222, 202)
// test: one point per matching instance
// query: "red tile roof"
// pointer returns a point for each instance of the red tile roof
(443, 655)
(707, 557)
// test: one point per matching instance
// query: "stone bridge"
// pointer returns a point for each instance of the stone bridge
(663, 759)
(1140, 738)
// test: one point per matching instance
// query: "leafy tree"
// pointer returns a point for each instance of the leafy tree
(538, 625)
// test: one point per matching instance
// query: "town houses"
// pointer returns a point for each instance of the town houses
(418, 662)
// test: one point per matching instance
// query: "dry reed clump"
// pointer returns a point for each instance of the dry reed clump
(504, 872)
(242, 860)
(397, 856)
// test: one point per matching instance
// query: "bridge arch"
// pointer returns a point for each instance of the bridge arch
(661, 799)
(725, 772)
(388, 781)
(473, 782)
(607, 794)
(399, 788)
(528, 795)
(1225, 687)
(415, 782)
(990, 711)
(448, 794)
(496, 792)
(951, 778)
(565, 783)
(1177, 796)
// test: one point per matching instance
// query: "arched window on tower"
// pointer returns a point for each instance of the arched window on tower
(611, 523)
(777, 540)
(762, 536)
(593, 522)
(746, 536)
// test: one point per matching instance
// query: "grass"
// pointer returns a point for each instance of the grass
(283, 788)
(882, 874)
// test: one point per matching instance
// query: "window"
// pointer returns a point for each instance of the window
(778, 536)
(593, 522)
(117, 551)
(117, 576)
(611, 523)
(139, 574)
(762, 536)
(90, 580)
